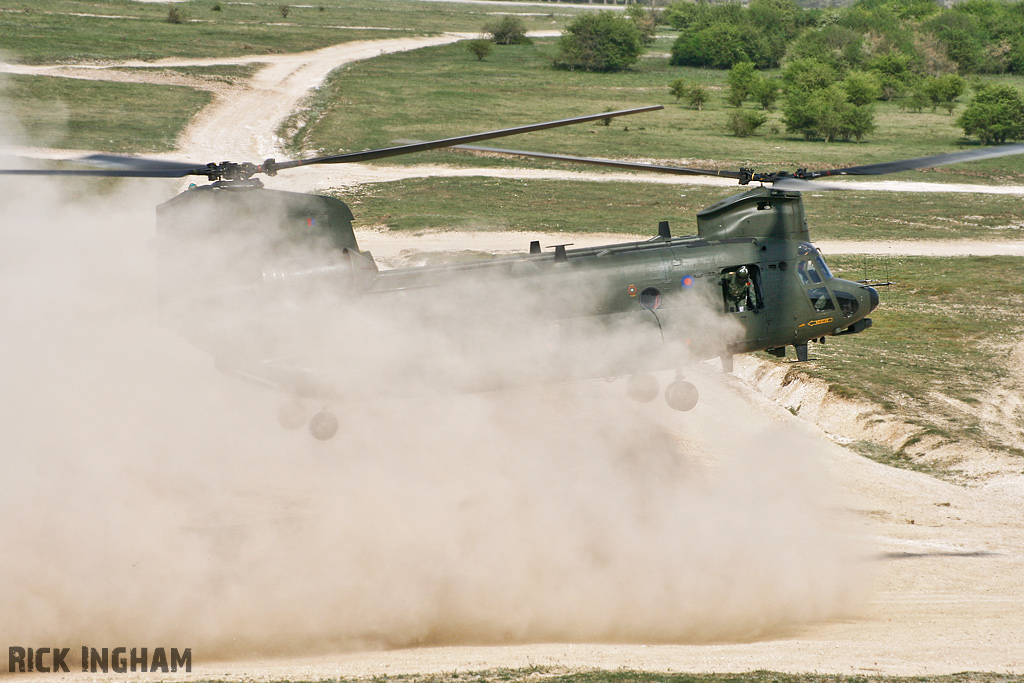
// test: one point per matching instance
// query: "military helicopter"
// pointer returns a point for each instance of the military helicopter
(749, 280)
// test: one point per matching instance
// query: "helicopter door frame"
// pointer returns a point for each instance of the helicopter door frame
(738, 297)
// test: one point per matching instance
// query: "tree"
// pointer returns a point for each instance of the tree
(826, 114)
(645, 22)
(808, 74)
(480, 48)
(861, 88)
(740, 78)
(995, 115)
(943, 90)
(604, 41)
(765, 91)
(508, 30)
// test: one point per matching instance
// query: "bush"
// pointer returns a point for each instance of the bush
(995, 115)
(508, 30)
(285, 10)
(719, 46)
(175, 15)
(744, 122)
(697, 96)
(678, 88)
(480, 48)
(604, 41)
(827, 114)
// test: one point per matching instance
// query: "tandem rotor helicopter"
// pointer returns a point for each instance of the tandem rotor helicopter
(750, 274)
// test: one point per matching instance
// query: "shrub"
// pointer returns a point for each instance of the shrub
(175, 15)
(480, 48)
(742, 123)
(508, 30)
(604, 41)
(697, 95)
(285, 10)
(678, 88)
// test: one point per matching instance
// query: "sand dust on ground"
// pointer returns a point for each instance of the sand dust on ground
(947, 562)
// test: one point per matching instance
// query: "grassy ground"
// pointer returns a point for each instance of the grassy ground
(48, 31)
(442, 91)
(100, 115)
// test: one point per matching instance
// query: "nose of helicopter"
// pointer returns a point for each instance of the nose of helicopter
(873, 294)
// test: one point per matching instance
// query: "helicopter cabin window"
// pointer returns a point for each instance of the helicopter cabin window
(741, 287)
(820, 299)
(812, 268)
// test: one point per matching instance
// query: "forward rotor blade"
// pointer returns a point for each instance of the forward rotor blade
(137, 163)
(922, 162)
(103, 173)
(382, 153)
(116, 167)
(632, 165)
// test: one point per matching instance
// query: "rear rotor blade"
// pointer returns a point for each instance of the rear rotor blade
(921, 162)
(373, 154)
(631, 165)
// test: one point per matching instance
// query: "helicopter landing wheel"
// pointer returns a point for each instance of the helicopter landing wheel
(681, 395)
(323, 426)
(292, 415)
(643, 387)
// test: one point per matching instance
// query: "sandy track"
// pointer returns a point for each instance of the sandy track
(948, 562)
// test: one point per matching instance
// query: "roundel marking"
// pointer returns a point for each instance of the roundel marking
(687, 281)
(632, 290)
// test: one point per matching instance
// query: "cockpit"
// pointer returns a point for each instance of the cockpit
(815, 276)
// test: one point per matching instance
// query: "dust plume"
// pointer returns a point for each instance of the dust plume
(149, 499)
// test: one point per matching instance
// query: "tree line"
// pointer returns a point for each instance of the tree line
(835, 62)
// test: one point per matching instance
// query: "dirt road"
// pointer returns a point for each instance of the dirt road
(946, 563)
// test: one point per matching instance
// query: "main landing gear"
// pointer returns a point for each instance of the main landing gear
(323, 425)
(679, 394)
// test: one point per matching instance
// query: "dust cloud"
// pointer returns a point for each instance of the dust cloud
(150, 500)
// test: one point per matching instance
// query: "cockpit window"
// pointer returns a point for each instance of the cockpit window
(808, 252)
(823, 267)
(808, 273)
(820, 299)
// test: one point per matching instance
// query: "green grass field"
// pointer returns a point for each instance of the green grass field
(100, 115)
(52, 31)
